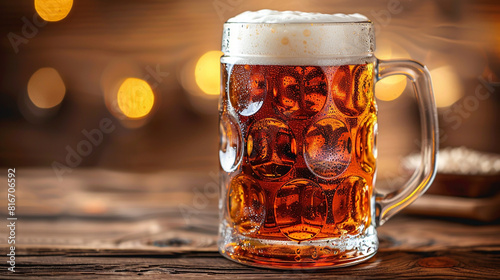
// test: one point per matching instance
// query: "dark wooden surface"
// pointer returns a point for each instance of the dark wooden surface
(101, 41)
(98, 224)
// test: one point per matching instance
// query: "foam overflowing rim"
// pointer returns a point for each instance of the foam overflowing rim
(271, 35)
(299, 23)
(280, 17)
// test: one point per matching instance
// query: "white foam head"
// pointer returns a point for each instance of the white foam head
(296, 37)
(271, 16)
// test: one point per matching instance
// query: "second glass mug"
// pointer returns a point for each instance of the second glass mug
(298, 127)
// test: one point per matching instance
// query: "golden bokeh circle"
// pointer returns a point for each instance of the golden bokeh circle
(46, 88)
(53, 10)
(135, 98)
(207, 72)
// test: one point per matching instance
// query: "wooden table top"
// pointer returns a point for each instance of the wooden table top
(97, 224)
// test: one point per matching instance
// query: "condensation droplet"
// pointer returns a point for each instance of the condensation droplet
(365, 147)
(301, 91)
(246, 204)
(353, 88)
(230, 145)
(273, 151)
(327, 148)
(300, 209)
(351, 205)
(247, 88)
(314, 254)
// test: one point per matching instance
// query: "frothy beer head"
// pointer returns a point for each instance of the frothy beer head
(273, 37)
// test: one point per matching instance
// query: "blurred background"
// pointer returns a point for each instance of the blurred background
(69, 71)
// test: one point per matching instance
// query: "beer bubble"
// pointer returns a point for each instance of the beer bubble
(230, 146)
(246, 204)
(314, 254)
(247, 88)
(351, 205)
(353, 88)
(327, 148)
(327, 251)
(300, 209)
(272, 153)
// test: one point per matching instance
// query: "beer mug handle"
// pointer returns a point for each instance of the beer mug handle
(389, 204)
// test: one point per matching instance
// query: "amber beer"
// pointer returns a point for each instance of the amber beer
(298, 128)
(307, 135)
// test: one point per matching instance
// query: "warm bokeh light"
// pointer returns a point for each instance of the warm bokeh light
(391, 87)
(94, 206)
(46, 88)
(447, 86)
(135, 98)
(53, 10)
(207, 72)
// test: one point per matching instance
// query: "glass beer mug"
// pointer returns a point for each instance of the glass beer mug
(298, 130)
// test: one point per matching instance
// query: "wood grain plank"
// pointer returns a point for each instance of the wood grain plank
(195, 265)
(142, 231)
(400, 233)
(108, 209)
